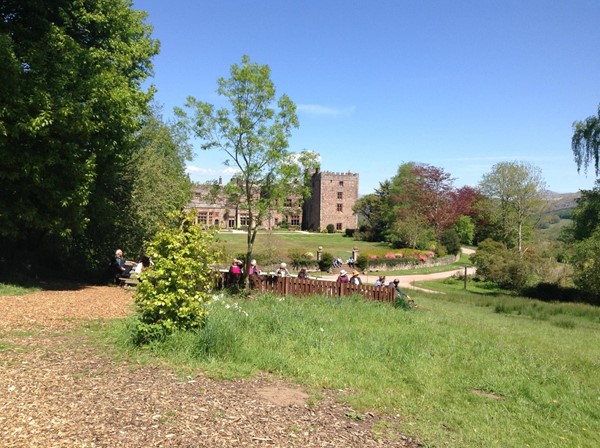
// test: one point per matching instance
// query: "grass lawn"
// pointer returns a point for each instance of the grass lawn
(466, 370)
(337, 244)
(7, 289)
(282, 242)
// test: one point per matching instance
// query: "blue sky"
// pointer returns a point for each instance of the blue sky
(460, 85)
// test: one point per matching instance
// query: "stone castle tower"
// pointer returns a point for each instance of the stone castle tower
(333, 197)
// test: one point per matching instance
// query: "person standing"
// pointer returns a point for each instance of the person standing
(254, 269)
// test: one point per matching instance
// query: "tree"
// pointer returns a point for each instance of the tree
(375, 213)
(254, 137)
(465, 229)
(71, 101)
(158, 181)
(515, 192)
(586, 263)
(586, 216)
(586, 143)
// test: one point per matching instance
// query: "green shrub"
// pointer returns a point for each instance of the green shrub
(506, 267)
(330, 228)
(172, 293)
(450, 240)
(300, 258)
(362, 262)
(586, 262)
(326, 261)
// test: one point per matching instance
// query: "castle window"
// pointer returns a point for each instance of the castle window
(202, 217)
(341, 183)
(338, 226)
(244, 221)
(231, 223)
(295, 220)
(287, 203)
(340, 195)
(340, 207)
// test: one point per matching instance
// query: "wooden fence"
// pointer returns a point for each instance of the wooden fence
(285, 286)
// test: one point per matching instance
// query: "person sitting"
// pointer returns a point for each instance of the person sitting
(302, 273)
(350, 262)
(343, 277)
(282, 271)
(355, 279)
(144, 263)
(380, 281)
(337, 262)
(118, 267)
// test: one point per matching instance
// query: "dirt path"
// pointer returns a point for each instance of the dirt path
(58, 390)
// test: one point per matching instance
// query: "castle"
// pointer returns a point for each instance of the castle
(332, 200)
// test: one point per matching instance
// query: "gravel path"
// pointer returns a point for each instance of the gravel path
(58, 390)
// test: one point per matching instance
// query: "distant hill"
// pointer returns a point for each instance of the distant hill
(561, 201)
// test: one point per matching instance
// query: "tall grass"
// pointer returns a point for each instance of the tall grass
(459, 374)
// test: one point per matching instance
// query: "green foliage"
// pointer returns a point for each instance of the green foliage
(301, 258)
(514, 190)
(506, 267)
(326, 261)
(158, 181)
(586, 262)
(72, 98)
(449, 239)
(172, 293)
(330, 228)
(253, 132)
(465, 229)
(362, 262)
(586, 143)
(586, 215)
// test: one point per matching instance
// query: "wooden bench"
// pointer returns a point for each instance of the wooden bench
(128, 282)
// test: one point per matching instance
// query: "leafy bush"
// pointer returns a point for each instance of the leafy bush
(362, 262)
(330, 228)
(301, 259)
(172, 293)
(507, 268)
(450, 240)
(326, 261)
(586, 262)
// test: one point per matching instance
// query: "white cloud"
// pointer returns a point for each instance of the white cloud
(316, 109)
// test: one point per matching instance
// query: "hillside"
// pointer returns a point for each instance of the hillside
(561, 201)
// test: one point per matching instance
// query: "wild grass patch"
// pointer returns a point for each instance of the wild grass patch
(536, 380)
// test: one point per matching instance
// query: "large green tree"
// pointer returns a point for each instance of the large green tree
(586, 143)
(515, 191)
(158, 181)
(71, 99)
(253, 133)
